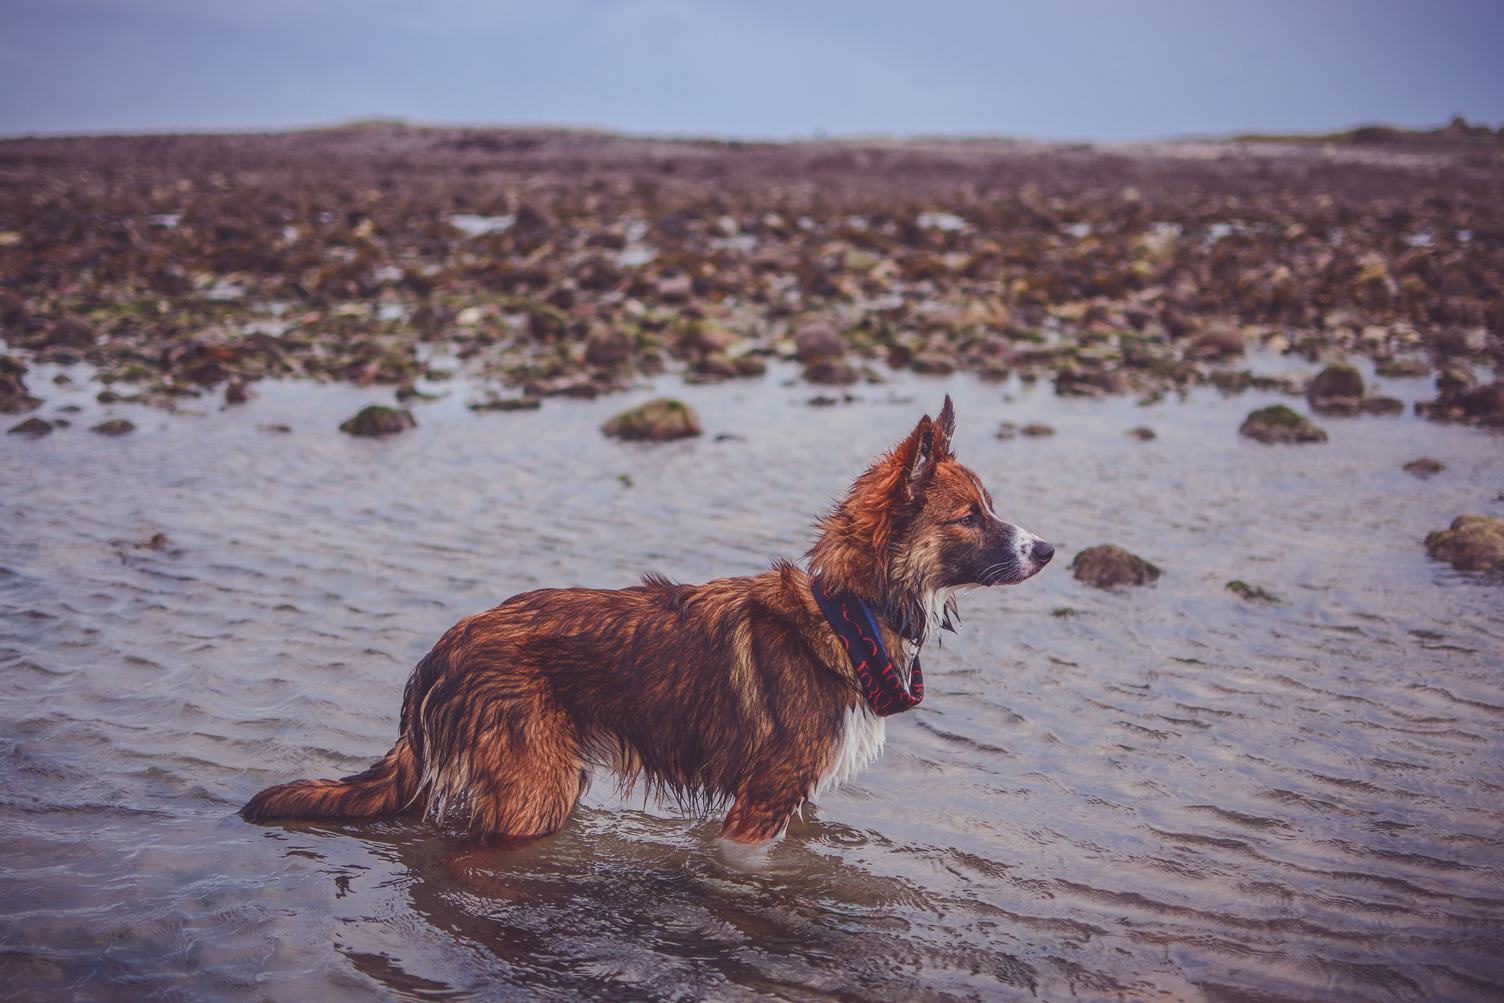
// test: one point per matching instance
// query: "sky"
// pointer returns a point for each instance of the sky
(1070, 69)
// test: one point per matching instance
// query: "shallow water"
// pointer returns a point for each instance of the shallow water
(1171, 794)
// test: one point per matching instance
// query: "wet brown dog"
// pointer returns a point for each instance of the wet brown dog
(742, 690)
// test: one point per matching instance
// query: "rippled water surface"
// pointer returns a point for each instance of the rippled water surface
(1168, 793)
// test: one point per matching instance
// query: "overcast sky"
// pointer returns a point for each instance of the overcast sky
(761, 68)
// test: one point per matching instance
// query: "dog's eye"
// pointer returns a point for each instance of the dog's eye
(970, 519)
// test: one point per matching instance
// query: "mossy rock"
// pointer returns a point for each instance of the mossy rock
(1280, 424)
(1251, 593)
(1106, 566)
(379, 420)
(1336, 390)
(658, 420)
(1472, 543)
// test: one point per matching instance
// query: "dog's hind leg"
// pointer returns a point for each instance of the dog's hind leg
(525, 778)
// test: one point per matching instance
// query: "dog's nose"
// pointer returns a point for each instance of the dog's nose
(1043, 552)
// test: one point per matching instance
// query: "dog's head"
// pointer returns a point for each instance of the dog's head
(918, 524)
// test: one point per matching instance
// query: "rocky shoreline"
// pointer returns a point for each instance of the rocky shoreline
(555, 263)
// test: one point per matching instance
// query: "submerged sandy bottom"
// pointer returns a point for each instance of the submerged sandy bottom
(1169, 794)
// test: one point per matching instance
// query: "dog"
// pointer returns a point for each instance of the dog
(757, 692)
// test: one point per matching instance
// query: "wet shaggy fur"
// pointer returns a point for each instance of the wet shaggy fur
(736, 691)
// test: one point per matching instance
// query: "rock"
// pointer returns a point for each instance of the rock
(1142, 433)
(70, 332)
(33, 428)
(1402, 368)
(1106, 566)
(658, 421)
(14, 398)
(750, 365)
(1455, 379)
(1279, 424)
(1424, 467)
(716, 366)
(833, 372)
(1251, 593)
(706, 339)
(507, 404)
(1482, 402)
(274, 428)
(607, 346)
(934, 363)
(1008, 430)
(1219, 340)
(1383, 405)
(1473, 543)
(1336, 390)
(115, 426)
(817, 340)
(378, 420)
(236, 393)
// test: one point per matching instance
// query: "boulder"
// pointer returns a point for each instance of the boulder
(1280, 424)
(1220, 340)
(1106, 566)
(378, 420)
(1472, 543)
(14, 398)
(1336, 390)
(833, 372)
(115, 426)
(607, 346)
(817, 340)
(33, 428)
(656, 421)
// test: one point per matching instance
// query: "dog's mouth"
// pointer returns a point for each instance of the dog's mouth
(1027, 557)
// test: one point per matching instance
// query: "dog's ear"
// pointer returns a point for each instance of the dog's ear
(945, 427)
(916, 460)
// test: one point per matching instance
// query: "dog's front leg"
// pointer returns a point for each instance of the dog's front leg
(764, 803)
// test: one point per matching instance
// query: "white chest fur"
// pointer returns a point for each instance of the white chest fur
(861, 741)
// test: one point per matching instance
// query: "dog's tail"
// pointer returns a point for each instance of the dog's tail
(386, 788)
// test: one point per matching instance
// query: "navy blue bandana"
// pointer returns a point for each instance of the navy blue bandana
(854, 624)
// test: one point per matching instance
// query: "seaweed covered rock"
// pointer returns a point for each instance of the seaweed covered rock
(379, 420)
(1472, 543)
(658, 420)
(1336, 390)
(1251, 593)
(1280, 424)
(1106, 566)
